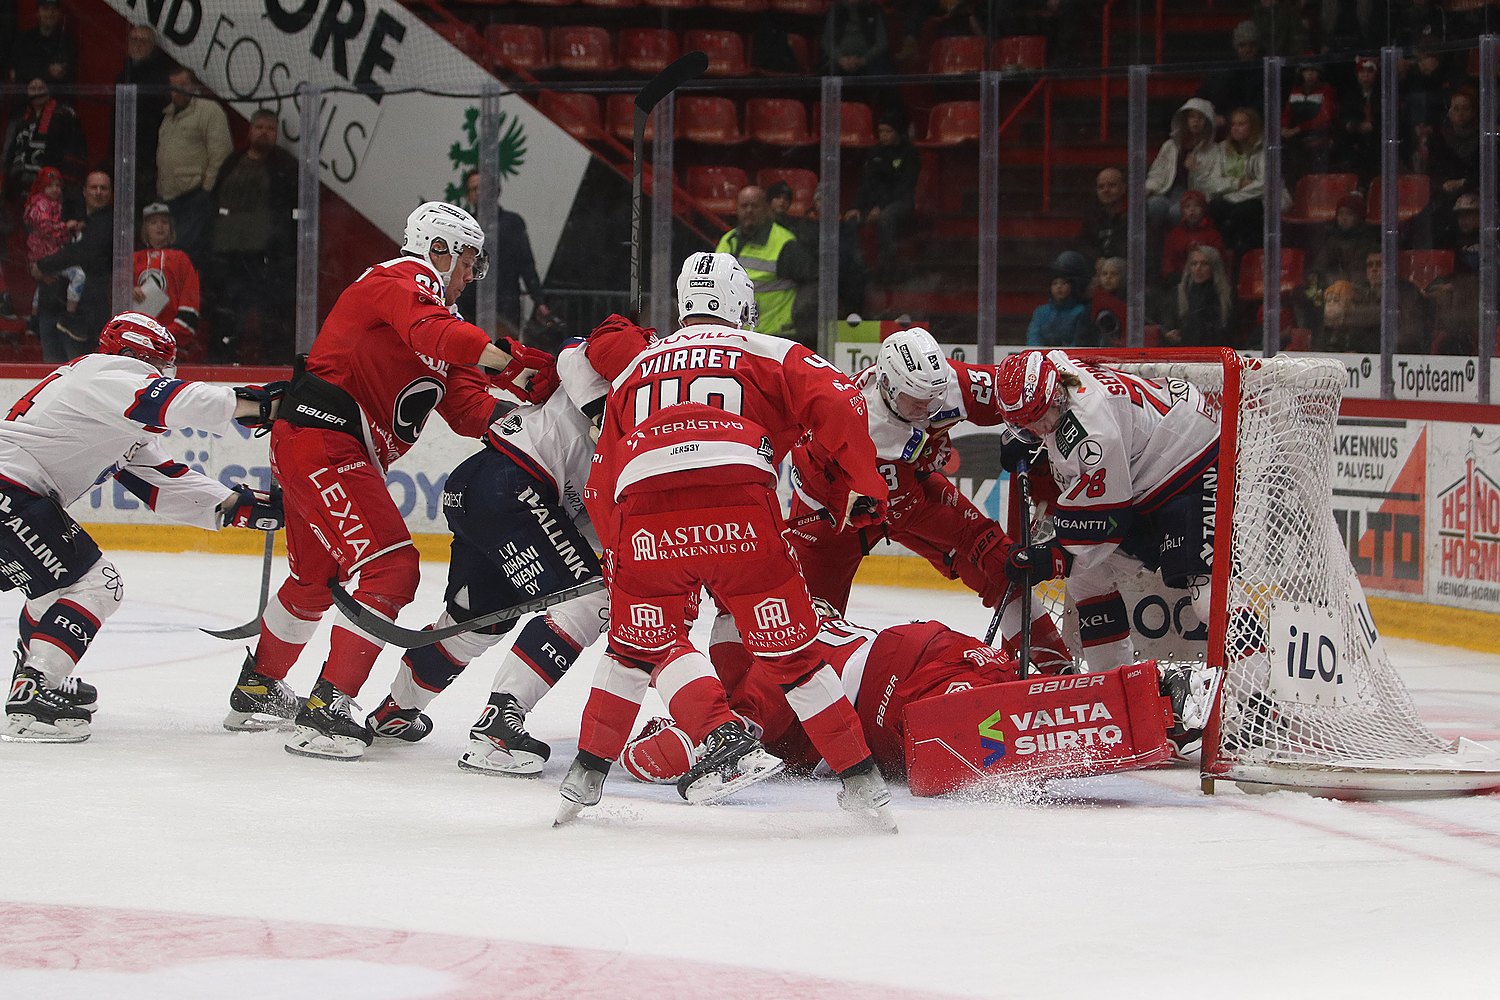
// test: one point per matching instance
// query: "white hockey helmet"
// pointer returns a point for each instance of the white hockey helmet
(714, 284)
(435, 220)
(912, 374)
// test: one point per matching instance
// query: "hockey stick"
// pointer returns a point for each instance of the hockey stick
(252, 627)
(680, 71)
(1023, 475)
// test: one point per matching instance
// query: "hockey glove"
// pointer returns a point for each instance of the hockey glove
(523, 359)
(252, 508)
(267, 396)
(1043, 561)
(863, 512)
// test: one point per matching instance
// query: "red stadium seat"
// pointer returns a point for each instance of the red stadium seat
(952, 123)
(583, 49)
(961, 54)
(619, 116)
(1020, 52)
(1423, 267)
(517, 46)
(674, 4)
(460, 36)
(1316, 198)
(725, 50)
(711, 120)
(1252, 278)
(612, 3)
(812, 8)
(647, 50)
(1413, 191)
(801, 51)
(804, 185)
(550, 3)
(716, 188)
(741, 6)
(856, 124)
(777, 121)
(577, 114)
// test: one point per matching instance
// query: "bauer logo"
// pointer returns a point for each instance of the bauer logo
(992, 739)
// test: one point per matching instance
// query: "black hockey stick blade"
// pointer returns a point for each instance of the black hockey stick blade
(389, 632)
(682, 69)
(252, 627)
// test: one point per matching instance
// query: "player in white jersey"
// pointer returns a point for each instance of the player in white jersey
(92, 419)
(519, 532)
(1135, 460)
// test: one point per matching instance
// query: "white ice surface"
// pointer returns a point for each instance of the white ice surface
(1132, 885)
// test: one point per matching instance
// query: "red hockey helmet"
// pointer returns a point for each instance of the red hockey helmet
(1029, 386)
(139, 336)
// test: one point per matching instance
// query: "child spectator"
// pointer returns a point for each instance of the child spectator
(1107, 307)
(1194, 229)
(166, 283)
(1346, 243)
(47, 233)
(1202, 310)
(1307, 121)
(1063, 320)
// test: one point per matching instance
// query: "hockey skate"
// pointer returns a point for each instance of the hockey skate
(392, 722)
(500, 744)
(583, 787)
(35, 713)
(866, 795)
(1191, 691)
(326, 729)
(731, 759)
(259, 703)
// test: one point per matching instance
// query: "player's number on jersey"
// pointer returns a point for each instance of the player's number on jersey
(982, 385)
(25, 402)
(719, 391)
(1090, 484)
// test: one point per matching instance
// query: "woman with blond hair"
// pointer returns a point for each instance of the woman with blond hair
(1236, 182)
(1202, 309)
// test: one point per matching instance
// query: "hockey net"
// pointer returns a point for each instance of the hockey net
(1309, 697)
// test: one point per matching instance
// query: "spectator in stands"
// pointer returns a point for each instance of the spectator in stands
(1425, 90)
(1351, 315)
(46, 134)
(1282, 30)
(192, 143)
(1351, 25)
(1454, 163)
(94, 252)
(1454, 299)
(1345, 245)
(855, 42)
(1462, 236)
(887, 190)
(512, 265)
(252, 268)
(1106, 226)
(1193, 230)
(166, 283)
(1181, 165)
(1356, 144)
(1307, 122)
(148, 68)
(772, 258)
(771, 50)
(1064, 319)
(1236, 183)
(46, 52)
(853, 273)
(1107, 306)
(1416, 21)
(47, 233)
(1240, 84)
(1200, 314)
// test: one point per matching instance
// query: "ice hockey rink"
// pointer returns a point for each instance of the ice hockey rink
(169, 859)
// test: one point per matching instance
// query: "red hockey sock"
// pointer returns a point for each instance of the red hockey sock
(350, 657)
(828, 719)
(693, 695)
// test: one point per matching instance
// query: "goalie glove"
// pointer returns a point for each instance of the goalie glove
(543, 366)
(1048, 560)
(252, 508)
(267, 396)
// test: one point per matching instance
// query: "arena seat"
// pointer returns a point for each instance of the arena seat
(1252, 279)
(617, 4)
(1413, 192)
(1423, 267)
(741, 6)
(856, 124)
(1020, 52)
(619, 118)
(725, 50)
(1316, 198)
(804, 184)
(673, 4)
(460, 36)
(581, 49)
(710, 120)
(647, 50)
(952, 123)
(716, 188)
(810, 8)
(961, 54)
(517, 46)
(577, 114)
(777, 122)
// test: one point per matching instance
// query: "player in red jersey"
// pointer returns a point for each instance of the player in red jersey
(683, 492)
(882, 672)
(392, 350)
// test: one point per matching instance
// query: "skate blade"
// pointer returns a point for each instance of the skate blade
(256, 722)
(705, 791)
(311, 743)
(501, 764)
(567, 813)
(880, 820)
(26, 729)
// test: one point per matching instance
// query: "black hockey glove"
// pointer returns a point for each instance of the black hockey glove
(252, 508)
(1028, 567)
(267, 396)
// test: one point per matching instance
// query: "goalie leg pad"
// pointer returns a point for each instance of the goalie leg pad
(660, 753)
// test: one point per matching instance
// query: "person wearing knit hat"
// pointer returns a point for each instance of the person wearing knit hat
(887, 193)
(1237, 84)
(1356, 138)
(1346, 243)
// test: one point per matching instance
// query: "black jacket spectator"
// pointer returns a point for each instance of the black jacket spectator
(147, 68)
(1106, 224)
(854, 39)
(46, 52)
(46, 134)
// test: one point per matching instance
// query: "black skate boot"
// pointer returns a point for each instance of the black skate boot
(35, 713)
(78, 693)
(325, 727)
(582, 787)
(866, 795)
(731, 760)
(392, 722)
(259, 703)
(500, 744)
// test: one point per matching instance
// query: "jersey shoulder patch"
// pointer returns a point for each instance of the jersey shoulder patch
(1070, 431)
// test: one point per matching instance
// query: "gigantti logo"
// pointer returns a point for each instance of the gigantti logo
(1469, 527)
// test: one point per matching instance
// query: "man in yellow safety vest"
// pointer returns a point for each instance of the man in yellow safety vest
(774, 260)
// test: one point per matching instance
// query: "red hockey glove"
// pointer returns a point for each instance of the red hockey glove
(987, 555)
(252, 508)
(863, 512)
(614, 343)
(660, 753)
(525, 359)
(267, 396)
(1043, 561)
